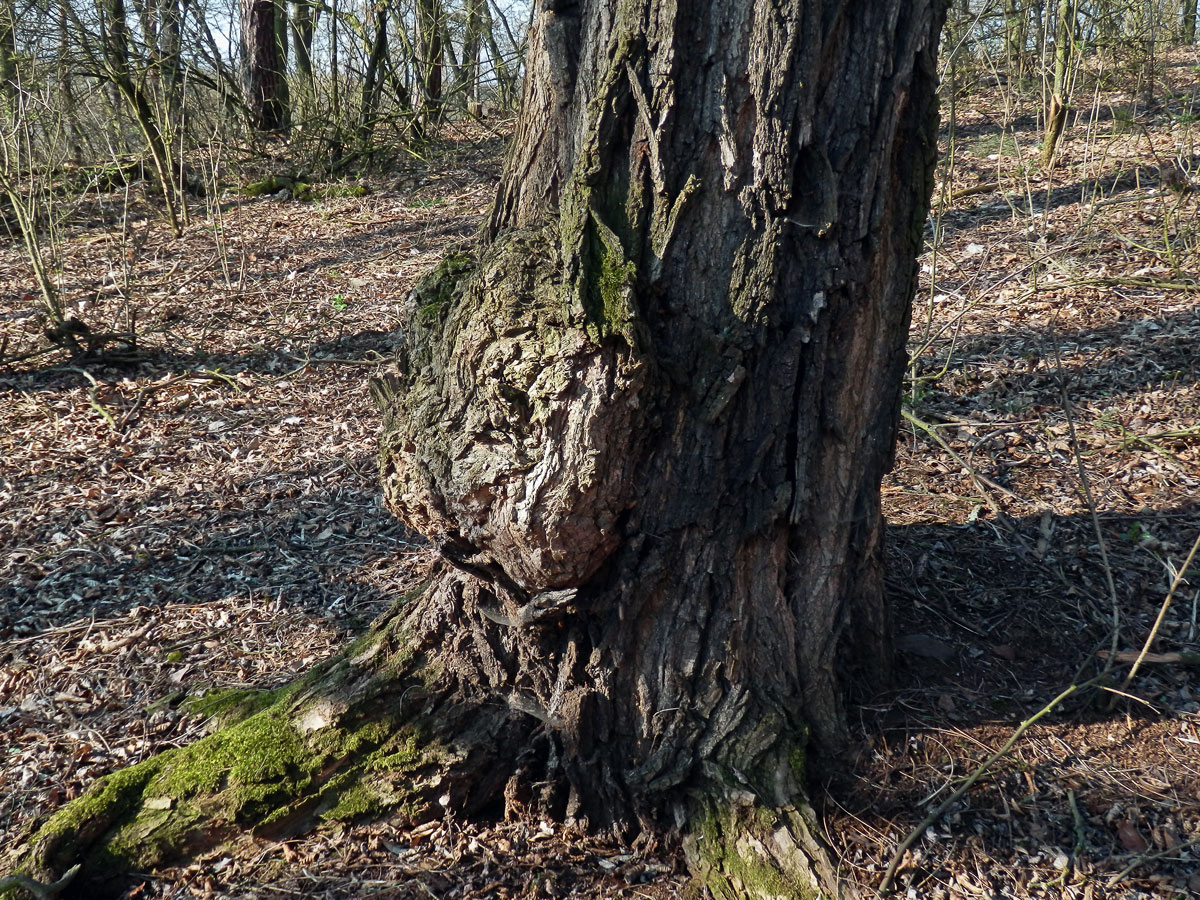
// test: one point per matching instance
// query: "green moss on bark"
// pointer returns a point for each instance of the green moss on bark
(329, 747)
(437, 289)
(109, 800)
(740, 852)
(227, 705)
(251, 763)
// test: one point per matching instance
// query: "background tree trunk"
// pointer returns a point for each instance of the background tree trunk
(468, 73)
(376, 45)
(265, 64)
(9, 80)
(1056, 112)
(303, 24)
(1016, 36)
(429, 61)
(129, 87)
(645, 425)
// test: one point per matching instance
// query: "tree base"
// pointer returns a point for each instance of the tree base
(371, 731)
(378, 730)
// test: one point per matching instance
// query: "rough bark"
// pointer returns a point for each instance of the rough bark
(644, 422)
(1016, 35)
(9, 80)
(265, 64)
(304, 17)
(376, 46)
(468, 72)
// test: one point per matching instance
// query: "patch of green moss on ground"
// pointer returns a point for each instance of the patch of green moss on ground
(337, 191)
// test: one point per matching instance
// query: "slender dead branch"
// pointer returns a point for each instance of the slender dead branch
(886, 886)
(1162, 613)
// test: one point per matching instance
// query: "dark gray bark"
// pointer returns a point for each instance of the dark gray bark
(468, 72)
(372, 79)
(9, 80)
(428, 61)
(169, 62)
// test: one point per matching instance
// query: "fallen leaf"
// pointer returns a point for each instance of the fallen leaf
(1129, 837)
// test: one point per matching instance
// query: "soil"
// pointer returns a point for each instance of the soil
(197, 507)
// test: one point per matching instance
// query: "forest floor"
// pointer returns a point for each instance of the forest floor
(205, 513)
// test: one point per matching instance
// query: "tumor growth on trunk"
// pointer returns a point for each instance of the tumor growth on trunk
(644, 422)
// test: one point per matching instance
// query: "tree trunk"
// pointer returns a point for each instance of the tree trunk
(644, 423)
(1056, 113)
(468, 72)
(303, 25)
(117, 71)
(372, 80)
(170, 61)
(64, 79)
(1187, 27)
(429, 61)
(9, 79)
(1039, 37)
(505, 80)
(1016, 35)
(263, 36)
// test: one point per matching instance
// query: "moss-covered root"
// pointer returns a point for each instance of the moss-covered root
(270, 774)
(741, 850)
(332, 746)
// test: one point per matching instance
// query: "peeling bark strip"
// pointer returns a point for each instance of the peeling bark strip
(645, 423)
